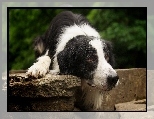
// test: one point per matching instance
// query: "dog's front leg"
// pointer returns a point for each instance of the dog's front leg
(40, 68)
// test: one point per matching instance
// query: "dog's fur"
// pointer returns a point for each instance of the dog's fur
(71, 46)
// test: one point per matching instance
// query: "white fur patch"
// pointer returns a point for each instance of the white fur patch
(41, 67)
(104, 69)
(68, 34)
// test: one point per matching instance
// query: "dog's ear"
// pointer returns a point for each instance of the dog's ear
(108, 50)
(39, 45)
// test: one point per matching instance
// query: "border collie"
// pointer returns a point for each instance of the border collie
(71, 46)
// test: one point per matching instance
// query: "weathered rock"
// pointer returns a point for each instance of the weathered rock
(51, 93)
(139, 105)
(49, 86)
(58, 92)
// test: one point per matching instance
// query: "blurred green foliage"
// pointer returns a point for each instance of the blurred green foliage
(125, 27)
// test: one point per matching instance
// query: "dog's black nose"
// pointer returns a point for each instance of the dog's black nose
(111, 81)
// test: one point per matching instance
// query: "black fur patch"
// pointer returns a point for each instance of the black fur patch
(78, 58)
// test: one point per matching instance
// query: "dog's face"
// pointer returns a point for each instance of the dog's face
(90, 59)
(104, 76)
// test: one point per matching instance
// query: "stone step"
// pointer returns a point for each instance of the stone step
(58, 92)
(139, 105)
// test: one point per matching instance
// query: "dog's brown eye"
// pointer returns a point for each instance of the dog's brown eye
(106, 57)
(90, 60)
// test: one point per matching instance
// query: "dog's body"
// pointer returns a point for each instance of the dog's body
(71, 46)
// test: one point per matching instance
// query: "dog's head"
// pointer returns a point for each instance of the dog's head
(104, 76)
(91, 59)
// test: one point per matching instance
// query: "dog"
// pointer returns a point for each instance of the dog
(72, 46)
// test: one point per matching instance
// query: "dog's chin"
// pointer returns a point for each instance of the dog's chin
(102, 88)
(107, 88)
(93, 94)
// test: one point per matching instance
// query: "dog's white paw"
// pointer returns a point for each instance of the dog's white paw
(37, 70)
(40, 68)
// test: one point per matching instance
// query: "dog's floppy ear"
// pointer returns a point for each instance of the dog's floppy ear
(108, 50)
(39, 45)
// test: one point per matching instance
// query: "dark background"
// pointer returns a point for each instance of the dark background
(124, 27)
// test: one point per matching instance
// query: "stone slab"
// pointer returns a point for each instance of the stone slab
(51, 93)
(139, 105)
(58, 89)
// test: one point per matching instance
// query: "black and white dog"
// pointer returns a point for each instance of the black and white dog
(71, 46)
